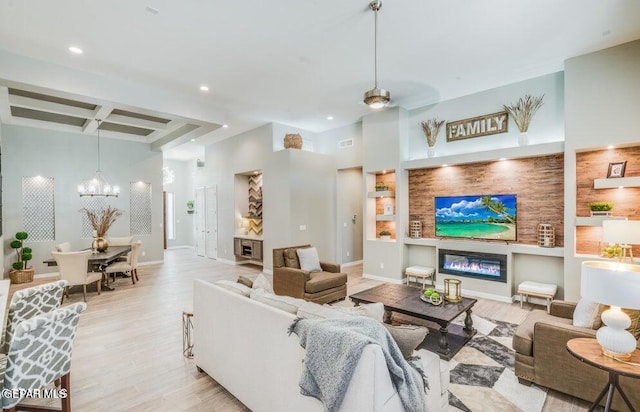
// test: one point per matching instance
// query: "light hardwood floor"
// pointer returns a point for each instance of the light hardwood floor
(128, 352)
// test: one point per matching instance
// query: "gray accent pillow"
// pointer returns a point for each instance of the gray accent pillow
(309, 260)
(407, 337)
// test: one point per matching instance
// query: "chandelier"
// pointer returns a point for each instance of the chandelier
(376, 98)
(98, 186)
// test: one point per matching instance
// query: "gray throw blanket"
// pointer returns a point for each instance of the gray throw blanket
(333, 348)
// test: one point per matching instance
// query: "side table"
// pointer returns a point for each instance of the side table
(588, 350)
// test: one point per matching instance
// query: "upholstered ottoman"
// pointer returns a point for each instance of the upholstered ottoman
(542, 290)
(420, 272)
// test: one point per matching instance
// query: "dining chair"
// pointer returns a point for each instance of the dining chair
(40, 354)
(74, 269)
(63, 247)
(130, 267)
(121, 241)
(30, 302)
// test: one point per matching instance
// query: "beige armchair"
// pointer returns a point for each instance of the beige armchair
(73, 268)
(320, 287)
(542, 358)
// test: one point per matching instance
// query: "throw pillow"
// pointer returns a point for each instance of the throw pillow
(371, 310)
(286, 303)
(635, 322)
(245, 281)
(312, 310)
(407, 337)
(291, 259)
(234, 287)
(309, 260)
(263, 283)
(586, 313)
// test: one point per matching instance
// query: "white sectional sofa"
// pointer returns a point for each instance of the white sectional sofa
(243, 344)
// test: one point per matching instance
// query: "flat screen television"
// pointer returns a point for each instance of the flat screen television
(476, 217)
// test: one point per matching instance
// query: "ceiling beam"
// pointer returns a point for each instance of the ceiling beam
(50, 107)
(135, 122)
(177, 138)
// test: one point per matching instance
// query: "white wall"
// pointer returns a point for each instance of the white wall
(349, 204)
(546, 126)
(70, 158)
(602, 107)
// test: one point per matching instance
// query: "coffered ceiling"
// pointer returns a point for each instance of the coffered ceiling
(299, 63)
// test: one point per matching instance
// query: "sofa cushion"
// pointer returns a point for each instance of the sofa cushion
(234, 287)
(286, 303)
(371, 310)
(523, 338)
(587, 314)
(309, 259)
(319, 281)
(407, 337)
(291, 259)
(263, 283)
(245, 281)
(312, 310)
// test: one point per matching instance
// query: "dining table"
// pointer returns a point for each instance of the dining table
(100, 260)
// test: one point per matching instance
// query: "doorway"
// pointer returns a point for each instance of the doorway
(206, 219)
(350, 215)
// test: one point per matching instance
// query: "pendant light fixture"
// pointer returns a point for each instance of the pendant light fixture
(98, 185)
(376, 98)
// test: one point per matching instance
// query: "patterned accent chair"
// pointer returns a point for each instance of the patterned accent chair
(130, 267)
(40, 354)
(30, 302)
(73, 268)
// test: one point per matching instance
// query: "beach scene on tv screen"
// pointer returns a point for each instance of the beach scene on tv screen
(476, 217)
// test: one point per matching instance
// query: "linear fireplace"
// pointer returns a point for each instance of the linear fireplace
(488, 266)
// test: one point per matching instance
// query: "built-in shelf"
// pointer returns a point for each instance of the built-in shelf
(595, 220)
(519, 152)
(385, 218)
(382, 193)
(616, 182)
(516, 248)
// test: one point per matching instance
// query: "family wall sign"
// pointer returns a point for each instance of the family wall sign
(485, 125)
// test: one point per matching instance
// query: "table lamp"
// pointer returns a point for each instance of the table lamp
(623, 232)
(618, 285)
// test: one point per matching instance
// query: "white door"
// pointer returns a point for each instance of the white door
(211, 222)
(200, 226)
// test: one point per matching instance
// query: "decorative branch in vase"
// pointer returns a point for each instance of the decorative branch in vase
(101, 221)
(522, 113)
(431, 128)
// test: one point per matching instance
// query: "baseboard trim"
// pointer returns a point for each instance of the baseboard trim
(228, 262)
(151, 262)
(249, 262)
(354, 263)
(180, 247)
(46, 275)
(382, 278)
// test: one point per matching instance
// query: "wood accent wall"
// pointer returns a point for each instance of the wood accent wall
(390, 180)
(538, 183)
(594, 165)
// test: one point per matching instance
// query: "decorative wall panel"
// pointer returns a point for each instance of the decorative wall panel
(38, 200)
(93, 204)
(255, 204)
(140, 208)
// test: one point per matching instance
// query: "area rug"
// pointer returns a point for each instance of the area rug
(482, 373)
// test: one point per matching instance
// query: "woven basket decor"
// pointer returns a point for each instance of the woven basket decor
(22, 275)
(293, 141)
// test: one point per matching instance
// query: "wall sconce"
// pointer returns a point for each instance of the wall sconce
(452, 290)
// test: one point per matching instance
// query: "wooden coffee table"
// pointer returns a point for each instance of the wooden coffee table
(406, 300)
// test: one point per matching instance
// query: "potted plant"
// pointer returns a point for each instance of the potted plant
(190, 206)
(20, 271)
(600, 208)
(380, 187)
(385, 235)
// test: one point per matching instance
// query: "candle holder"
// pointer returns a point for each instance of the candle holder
(546, 235)
(452, 290)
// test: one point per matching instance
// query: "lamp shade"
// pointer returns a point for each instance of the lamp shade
(611, 283)
(626, 232)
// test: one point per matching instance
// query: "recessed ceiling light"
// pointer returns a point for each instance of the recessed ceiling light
(610, 146)
(204, 88)
(193, 140)
(329, 117)
(502, 159)
(445, 165)
(225, 126)
(75, 50)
